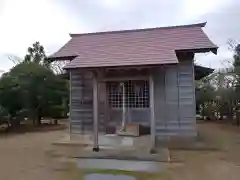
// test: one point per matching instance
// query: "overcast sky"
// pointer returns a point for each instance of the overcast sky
(23, 22)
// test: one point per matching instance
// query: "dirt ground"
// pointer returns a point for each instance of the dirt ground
(23, 156)
(222, 164)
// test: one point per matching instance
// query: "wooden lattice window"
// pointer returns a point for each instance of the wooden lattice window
(135, 92)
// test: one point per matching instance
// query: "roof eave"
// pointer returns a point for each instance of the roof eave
(61, 58)
(201, 72)
(200, 50)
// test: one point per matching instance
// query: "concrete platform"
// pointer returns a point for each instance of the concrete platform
(105, 141)
(111, 147)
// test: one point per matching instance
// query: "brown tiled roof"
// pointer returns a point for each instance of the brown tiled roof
(134, 47)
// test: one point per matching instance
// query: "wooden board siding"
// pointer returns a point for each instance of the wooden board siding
(102, 107)
(187, 104)
(174, 92)
(174, 102)
(81, 114)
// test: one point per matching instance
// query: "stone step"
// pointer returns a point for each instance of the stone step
(111, 147)
(66, 164)
(108, 153)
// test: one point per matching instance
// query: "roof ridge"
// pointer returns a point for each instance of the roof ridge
(137, 30)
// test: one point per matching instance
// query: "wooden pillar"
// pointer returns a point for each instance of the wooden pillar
(123, 128)
(70, 105)
(152, 114)
(95, 112)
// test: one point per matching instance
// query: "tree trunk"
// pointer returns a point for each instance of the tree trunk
(34, 120)
(39, 122)
(238, 118)
(55, 122)
(36, 117)
(221, 116)
(230, 110)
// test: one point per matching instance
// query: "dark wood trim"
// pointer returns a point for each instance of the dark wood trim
(61, 58)
(199, 50)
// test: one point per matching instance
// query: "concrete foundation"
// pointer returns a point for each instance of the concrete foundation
(110, 147)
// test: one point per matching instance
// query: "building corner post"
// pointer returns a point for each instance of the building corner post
(95, 112)
(70, 106)
(152, 114)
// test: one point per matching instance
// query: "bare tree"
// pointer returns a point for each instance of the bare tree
(15, 59)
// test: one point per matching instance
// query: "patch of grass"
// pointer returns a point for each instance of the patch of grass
(78, 174)
(221, 141)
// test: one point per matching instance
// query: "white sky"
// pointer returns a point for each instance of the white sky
(22, 22)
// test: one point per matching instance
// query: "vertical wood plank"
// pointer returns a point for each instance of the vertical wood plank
(123, 108)
(70, 104)
(95, 112)
(152, 112)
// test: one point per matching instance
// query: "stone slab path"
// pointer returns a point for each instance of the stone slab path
(108, 177)
(112, 164)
